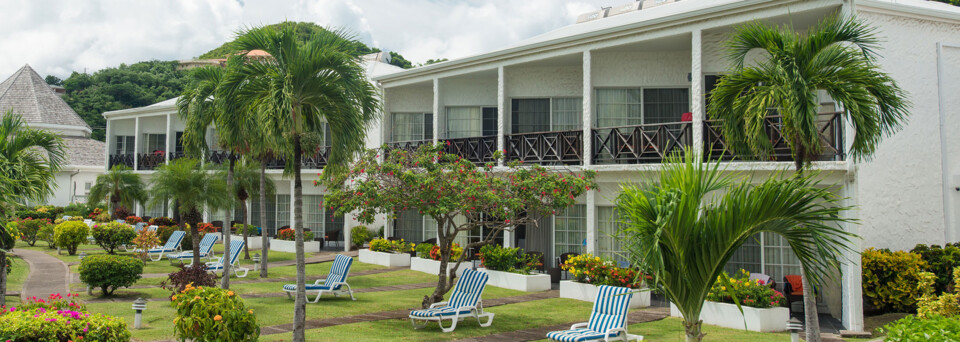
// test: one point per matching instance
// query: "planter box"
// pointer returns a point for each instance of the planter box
(519, 282)
(291, 247)
(588, 293)
(384, 259)
(253, 242)
(431, 266)
(726, 315)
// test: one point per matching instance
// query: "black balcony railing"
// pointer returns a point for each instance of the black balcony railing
(475, 149)
(549, 148)
(176, 155)
(640, 144)
(318, 160)
(409, 146)
(120, 159)
(218, 157)
(830, 126)
(150, 161)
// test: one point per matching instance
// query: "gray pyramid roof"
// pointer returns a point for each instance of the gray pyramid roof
(29, 95)
(84, 151)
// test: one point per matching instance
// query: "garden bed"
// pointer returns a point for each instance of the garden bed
(517, 281)
(253, 242)
(385, 259)
(291, 247)
(727, 315)
(433, 266)
(588, 293)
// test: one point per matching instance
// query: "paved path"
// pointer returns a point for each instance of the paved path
(47, 274)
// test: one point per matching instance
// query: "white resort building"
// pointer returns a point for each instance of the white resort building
(621, 89)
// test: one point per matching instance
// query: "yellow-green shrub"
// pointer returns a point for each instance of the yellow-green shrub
(212, 314)
(70, 234)
(890, 279)
(946, 304)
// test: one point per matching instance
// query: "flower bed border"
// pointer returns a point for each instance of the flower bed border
(517, 281)
(384, 259)
(726, 315)
(588, 293)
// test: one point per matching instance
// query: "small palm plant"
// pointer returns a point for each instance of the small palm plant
(684, 227)
(119, 187)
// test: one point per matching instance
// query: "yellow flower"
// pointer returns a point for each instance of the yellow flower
(196, 297)
(174, 297)
(250, 312)
(229, 293)
(217, 318)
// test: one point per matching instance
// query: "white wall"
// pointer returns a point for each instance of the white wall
(633, 69)
(468, 91)
(544, 81)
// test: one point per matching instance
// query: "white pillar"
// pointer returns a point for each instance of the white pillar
(387, 227)
(696, 90)
(348, 217)
(136, 143)
(851, 278)
(436, 109)
(291, 205)
(587, 112)
(501, 111)
(109, 142)
(168, 135)
(592, 222)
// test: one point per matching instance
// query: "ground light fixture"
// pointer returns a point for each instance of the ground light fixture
(794, 326)
(138, 305)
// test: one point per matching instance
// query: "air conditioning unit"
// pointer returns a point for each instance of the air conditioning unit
(654, 3)
(591, 16)
(625, 8)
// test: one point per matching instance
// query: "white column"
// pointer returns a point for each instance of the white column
(387, 227)
(592, 222)
(587, 112)
(348, 217)
(501, 112)
(851, 279)
(136, 143)
(696, 90)
(169, 135)
(109, 142)
(291, 205)
(436, 109)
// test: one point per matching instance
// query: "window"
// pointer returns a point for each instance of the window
(608, 226)
(747, 257)
(570, 230)
(464, 122)
(636, 106)
(155, 142)
(283, 210)
(87, 186)
(156, 211)
(270, 215)
(178, 147)
(409, 226)
(489, 121)
(665, 104)
(544, 115)
(766, 253)
(412, 126)
(125, 144)
(313, 214)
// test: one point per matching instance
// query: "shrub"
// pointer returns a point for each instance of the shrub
(890, 279)
(145, 240)
(133, 219)
(112, 235)
(93, 215)
(70, 234)
(455, 252)
(205, 227)
(104, 217)
(212, 314)
(423, 250)
(946, 304)
(359, 235)
(391, 246)
(751, 293)
(29, 228)
(110, 272)
(590, 269)
(121, 212)
(40, 324)
(79, 209)
(251, 230)
(198, 276)
(497, 258)
(162, 221)
(54, 302)
(940, 261)
(164, 232)
(289, 234)
(46, 233)
(933, 329)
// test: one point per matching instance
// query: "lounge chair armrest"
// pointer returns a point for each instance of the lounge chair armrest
(320, 282)
(438, 304)
(615, 330)
(579, 325)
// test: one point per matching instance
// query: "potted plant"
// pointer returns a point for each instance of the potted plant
(589, 272)
(764, 309)
(509, 268)
(428, 258)
(388, 253)
(285, 241)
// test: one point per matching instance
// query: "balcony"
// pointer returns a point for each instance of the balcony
(150, 161)
(830, 126)
(477, 150)
(409, 146)
(547, 148)
(120, 159)
(640, 144)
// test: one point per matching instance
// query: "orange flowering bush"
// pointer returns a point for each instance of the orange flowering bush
(749, 292)
(590, 269)
(213, 314)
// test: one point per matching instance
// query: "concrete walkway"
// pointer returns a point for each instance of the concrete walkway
(48, 274)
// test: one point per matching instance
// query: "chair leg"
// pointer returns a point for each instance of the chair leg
(488, 315)
(289, 295)
(453, 326)
(418, 326)
(349, 290)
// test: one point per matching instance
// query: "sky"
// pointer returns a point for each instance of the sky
(59, 37)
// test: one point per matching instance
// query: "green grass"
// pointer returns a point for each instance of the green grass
(18, 274)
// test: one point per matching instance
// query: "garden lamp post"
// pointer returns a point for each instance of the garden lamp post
(256, 260)
(138, 305)
(794, 326)
(82, 255)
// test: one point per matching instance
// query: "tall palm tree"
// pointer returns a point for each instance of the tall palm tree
(194, 188)
(246, 183)
(685, 226)
(29, 161)
(837, 56)
(119, 187)
(302, 85)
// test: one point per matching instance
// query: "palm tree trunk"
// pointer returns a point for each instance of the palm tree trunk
(810, 310)
(243, 219)
(225, 280)
(694, 330)
(264, 238)
(300, 305)
(3, 278)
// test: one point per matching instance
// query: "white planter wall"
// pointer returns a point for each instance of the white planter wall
(519, 282)
(384, 259)
(253, 242)
(728, 316)
(291, 247)
(588, 293)
(431, 266)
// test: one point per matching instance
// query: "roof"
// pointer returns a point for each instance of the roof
(83, 151)
(27, 94)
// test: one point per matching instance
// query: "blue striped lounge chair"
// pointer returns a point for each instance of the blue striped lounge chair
(172, 246)
(236, 246)
(335, 282)
(120, 221)
(608, 322)
(464, 302)
(206, 249)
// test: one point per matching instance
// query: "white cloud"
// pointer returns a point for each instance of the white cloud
(58, 37)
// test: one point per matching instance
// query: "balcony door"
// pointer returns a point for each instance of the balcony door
(156, 143)
(469, 122)
(412, 127)
(546, 114)
(125, 144)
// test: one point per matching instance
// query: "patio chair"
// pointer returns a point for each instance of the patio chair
(608, 321)
(792, 290)
(334, 283)
(172, 245)
(464, 302)
(139, 226)
(539, 257)
(88, 222)
(236, 246)
(206, 249)
(334, 237)
(764, 279)
(120, 221)
(152, 228)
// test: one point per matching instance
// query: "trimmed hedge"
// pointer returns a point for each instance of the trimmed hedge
(110, 272)
(70, 234)
(890, 279)
(111, 236)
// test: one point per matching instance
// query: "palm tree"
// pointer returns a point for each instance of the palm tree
(29, 161)
(194, 188)
(246, 183)
(301, 86)
(836, 56)
(684, 227)
(119, 187)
